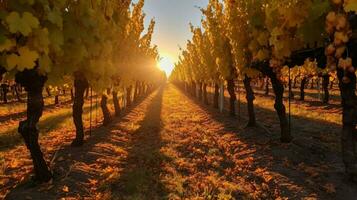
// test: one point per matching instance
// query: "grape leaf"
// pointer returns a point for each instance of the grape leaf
(350, 5)
(11, 61)
(56, 38)
(30, 2)
(45, 64)
(3, 14)
(263, 39)
(262, 54)
(312, 31)
(6, 45)
(25, 60)
(23, 24)
(318, 9)
(55, 17)
(39, 40)
(3, 33)
(2, 40)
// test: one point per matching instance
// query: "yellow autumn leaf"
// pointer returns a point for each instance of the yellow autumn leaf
(263, 39)
(40, 40)
(7, 45)
(65, 188)
(25, 60)
(267, 177)
(262, 54)
(55, 17)
(30, 2)
(14, 164)
(23, 24)
(350, 5)
(11, 61)
(93, 181)
(275, 34)
(56, 38)
(44, 64)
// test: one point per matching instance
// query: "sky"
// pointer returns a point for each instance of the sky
(172, 26)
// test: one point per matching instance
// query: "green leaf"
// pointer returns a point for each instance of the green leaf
(23, 24)
(2, 39)
(312, 31)
(45, 64)
(30, 2)
(55, 17)
(7, 44)
(3, 14)
(318, 9)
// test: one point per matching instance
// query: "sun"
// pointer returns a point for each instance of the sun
(166, 64)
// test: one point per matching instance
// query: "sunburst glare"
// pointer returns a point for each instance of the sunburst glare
(166, 64)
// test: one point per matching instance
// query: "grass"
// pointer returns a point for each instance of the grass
(302, 109)
(56, 119)
(310, 108)
(19, 107)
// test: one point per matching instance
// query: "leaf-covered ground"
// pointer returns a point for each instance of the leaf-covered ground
(172, 147)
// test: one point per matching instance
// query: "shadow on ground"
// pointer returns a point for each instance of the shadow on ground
(20, 115)
(118, 161)
(141, 177)
(311, 164)
(11, 138)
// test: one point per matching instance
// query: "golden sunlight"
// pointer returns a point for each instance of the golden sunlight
(166, 63)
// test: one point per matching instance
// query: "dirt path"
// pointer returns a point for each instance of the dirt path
(169, 147)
